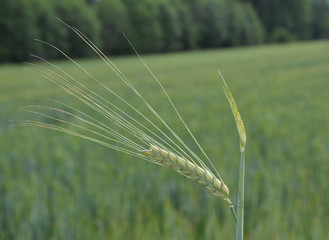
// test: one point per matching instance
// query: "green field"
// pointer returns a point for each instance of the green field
(55, 186)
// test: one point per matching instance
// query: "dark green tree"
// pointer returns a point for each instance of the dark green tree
(49, 29)
(244, 26)
(215, 24)
(293, 15)
(190, 37)
(193, 14)
(17, 30)
(78, 14)
(320, 19)
(145, 30)
(113, 17)
(91, 2)
(171, 24)
(281, 35)
(251, 28)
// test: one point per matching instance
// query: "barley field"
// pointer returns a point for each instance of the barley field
(56, 186)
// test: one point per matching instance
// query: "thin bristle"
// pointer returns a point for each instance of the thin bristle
(122, 129)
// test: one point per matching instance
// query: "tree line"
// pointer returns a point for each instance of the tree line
(154, 25)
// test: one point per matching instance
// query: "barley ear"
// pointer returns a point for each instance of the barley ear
(236, 114)
(190, 170)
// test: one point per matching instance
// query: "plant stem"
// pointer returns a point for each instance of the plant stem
(233, 212)
(240, 208)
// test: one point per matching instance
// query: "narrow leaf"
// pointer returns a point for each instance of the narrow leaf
(236, 114)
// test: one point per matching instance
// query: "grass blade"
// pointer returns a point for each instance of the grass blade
(243, 141)
(236, 114)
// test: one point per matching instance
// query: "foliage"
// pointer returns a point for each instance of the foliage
(77, 13)
(18, 29)
(190, 28)
(320, 20)
(281, 35)
(113, 17)
(171, 25)
(215, 31)
(155, 25)
(246, 27)
(144, 25)
(49, 29)
(293, 15)
(22, 21)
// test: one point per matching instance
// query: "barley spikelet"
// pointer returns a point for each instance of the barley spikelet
(190, 170)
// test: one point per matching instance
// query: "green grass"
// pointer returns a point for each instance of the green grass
(54, 186)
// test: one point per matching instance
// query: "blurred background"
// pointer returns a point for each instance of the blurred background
(273, 54)
(156, 26)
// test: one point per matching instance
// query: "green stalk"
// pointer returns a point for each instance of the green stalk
(233, 212)
(240, 208)
(243, 142)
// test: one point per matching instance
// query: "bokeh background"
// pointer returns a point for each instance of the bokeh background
(274, 56)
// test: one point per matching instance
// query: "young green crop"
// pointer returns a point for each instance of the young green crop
(156, 143)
